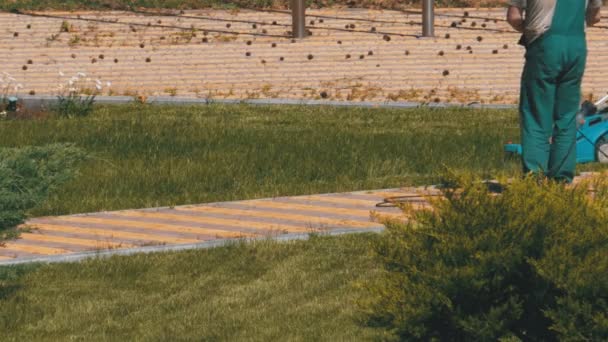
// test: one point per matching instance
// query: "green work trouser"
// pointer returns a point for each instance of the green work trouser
(550, 98)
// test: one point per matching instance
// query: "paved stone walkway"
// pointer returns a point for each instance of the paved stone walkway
(188, 226)
(64, 235)
(353, 54)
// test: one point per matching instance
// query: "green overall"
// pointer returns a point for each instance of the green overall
(551, 92)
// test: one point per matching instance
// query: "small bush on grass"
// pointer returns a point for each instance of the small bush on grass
(28, 175)
(74, 105)
(529, 264)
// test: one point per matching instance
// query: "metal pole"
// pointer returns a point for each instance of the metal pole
(298, 18)
(428, 18)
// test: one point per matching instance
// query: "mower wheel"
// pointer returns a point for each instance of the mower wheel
(602, 150)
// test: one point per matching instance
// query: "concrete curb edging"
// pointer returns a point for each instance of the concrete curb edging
(173, 248)
(36, 102)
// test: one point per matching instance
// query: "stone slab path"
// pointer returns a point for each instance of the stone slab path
(128, 229)
(353, 54)
(74, 237)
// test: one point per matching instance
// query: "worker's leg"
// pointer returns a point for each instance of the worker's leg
(562, 161)
(537, 101)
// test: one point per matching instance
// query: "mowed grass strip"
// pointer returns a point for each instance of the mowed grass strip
(149, 156)
(263, 291)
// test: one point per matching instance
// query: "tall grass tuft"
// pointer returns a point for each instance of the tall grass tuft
(72, 105)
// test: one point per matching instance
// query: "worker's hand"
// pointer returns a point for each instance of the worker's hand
(515, 17)
(593, 16)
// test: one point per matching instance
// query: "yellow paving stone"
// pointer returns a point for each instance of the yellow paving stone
(112, 234)
(279, 215)
(156, 226)
(211, 220)
(386, 194)
(74, 241)
(340, 200)
(32, 248)
(295, 206)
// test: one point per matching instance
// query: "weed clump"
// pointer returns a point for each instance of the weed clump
(74, 105)
(527, 263)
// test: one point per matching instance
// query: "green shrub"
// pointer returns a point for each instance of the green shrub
(74, 105)
(29, 174)
(529, 264)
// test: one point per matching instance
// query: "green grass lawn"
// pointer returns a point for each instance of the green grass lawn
(148, 156)
(265, 291)
(145, 156)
